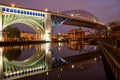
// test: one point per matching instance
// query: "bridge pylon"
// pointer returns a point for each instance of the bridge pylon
(57, 21)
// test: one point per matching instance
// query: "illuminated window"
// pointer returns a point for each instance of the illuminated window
(21, 12)
(33, 13)
(43, 15)
(36, 14)
(39, 14)
(3, 9)
(30, 13)
(27, 12)
(7, 9)
(18, 11)
(11, 10)
(24, 12)
(15, 11)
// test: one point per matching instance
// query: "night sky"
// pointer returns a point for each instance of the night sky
(106, 10)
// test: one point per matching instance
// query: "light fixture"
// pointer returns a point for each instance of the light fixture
(46, 9)
(13, 5)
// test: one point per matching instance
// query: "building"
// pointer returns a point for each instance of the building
(76, 34)
(28, 36)
(60, 37)
(24, 36)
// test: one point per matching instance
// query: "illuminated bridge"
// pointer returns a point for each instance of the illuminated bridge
(43, 22)
(77, 18)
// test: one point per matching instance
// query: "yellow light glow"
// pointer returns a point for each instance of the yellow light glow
(13, 5)
(72, 14)
(73, 66)
(95, 59)
(108, 28)
(61, 69)
(47, 73)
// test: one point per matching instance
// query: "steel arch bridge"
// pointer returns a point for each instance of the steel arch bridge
(82, 14)
(79, 18)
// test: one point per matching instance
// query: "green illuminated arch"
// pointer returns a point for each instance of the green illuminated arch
(36, 23)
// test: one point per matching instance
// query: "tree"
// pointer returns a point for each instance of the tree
(13, 33)
(16, 33)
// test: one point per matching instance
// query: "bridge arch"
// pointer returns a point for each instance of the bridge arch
(82, 14)
(76, 17)
(31, 22)
(37, 20)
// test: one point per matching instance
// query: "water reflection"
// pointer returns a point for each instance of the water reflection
(89, 69)
(58, 60)
(72, 48)
(12, 53)
(21, 61)
(1, 63)
(76, 45)
(28, 60)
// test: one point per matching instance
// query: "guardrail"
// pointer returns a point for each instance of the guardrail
(114, 42)
(112, 56)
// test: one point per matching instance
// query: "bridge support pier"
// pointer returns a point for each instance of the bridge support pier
(1, 49)
(1, 36)
(48, 28)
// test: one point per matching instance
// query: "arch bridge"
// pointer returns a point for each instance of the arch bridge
(77, 18)
(42, 22)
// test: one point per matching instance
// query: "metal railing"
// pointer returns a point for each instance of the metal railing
(112, 57)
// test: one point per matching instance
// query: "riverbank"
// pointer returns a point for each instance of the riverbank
(10, 43)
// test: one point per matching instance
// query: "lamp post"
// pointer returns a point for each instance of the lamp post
(108, 30)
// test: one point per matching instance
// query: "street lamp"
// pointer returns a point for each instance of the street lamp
(72, 14)
(46, 9)
(13, 5)
(108, 30)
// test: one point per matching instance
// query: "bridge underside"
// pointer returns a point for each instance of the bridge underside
(82, 24)
(69, 20)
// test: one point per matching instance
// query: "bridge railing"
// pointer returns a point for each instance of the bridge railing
(113, 42)
(112, 58)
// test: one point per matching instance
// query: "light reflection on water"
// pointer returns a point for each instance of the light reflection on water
(71, 49)
(21, 61)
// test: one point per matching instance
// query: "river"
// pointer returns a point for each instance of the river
(52, 61)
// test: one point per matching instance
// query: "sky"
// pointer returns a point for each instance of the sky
(106, 10)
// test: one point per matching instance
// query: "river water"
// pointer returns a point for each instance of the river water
(52, 61)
